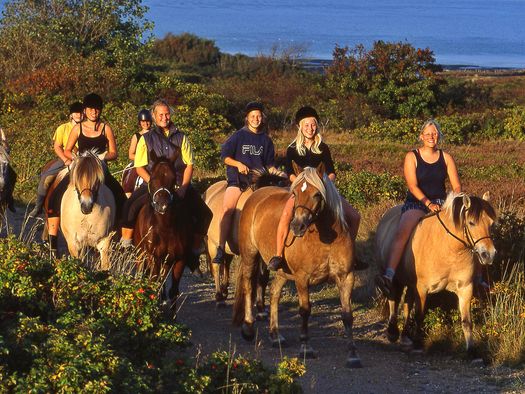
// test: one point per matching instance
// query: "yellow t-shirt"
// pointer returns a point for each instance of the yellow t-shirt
(62, 133)
(141, 154)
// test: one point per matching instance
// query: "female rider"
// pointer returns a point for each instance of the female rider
(59, 143)
(90, 134)
(246, 149)
(426, 170)
(308, 150)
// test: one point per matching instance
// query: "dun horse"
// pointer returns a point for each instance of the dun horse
(87, 209)
(440, 254)
(320, 249)
(164, 227)
(213, 197)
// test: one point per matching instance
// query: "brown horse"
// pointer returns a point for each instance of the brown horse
(163, 229)
(440, 255)
(320, 249)
(213, 197)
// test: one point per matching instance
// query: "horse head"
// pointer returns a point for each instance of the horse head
(162, 186)
(473, 216)
(87, 174)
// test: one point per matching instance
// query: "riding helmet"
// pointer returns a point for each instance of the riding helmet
(145, 115)
(76, 107)
(253, 106)
(306, 112)
(93, 100)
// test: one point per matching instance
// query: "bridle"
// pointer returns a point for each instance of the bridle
(93, 191)
(154, 203)
(470, 244)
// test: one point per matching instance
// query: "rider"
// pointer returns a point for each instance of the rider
(10, 176)
(130, 179)
(162, 139)
(426, 170)
(59, 143)
(308, 150)
(246, 149)
(90, 134)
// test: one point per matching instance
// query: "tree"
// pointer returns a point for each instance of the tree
(49, 46)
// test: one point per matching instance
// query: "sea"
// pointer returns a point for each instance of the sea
(469, 33)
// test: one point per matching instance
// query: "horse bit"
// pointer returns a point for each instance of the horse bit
(154, 203)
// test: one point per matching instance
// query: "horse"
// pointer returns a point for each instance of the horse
(319, 249)
(4, 179)
(163, 230)
(87, 210)
(440, 254)
(213, 196)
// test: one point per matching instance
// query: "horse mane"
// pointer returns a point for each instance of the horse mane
(267, 177)
(87, 168)
(457, 211)
(327, 189)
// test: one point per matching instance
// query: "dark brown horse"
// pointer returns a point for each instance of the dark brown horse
(440, 255)
(320, 249)
(213, 196)
(163, 229)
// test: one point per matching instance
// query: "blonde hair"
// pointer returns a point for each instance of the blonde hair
(299, 140)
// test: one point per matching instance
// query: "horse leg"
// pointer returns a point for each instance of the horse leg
(248, 267)
(464, 297)
(345, 284)
(176, 274)
(305, 308)
(406, 342)
(225, 278)
(263, 276)
(420, 297)
(275, 295)
(392, 331)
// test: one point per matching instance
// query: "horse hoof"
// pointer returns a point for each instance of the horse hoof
(477, 362)
(221, 304)
(279, 341)
(247, 332)
(392, 335)
(353, 362)
(306, 351)
(261, 316)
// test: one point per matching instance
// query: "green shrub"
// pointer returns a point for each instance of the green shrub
(514, 123)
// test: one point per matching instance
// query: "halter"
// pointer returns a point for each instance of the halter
(155, 204)
(94, 192)
(471, 243)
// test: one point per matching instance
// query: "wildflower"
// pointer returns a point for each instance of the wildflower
(141, 291)
(152, 296)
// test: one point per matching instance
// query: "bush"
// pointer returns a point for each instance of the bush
(64, 328)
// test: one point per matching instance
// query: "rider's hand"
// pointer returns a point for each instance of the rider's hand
(242, 168)
(181, 192)
(434, 207)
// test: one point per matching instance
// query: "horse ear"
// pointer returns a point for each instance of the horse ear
(297, 169)
(321, 169)
(486, 196)
(466, 201)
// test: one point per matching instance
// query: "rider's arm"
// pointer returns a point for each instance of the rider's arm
(132, 147)
(452, 173)
(111, 153)
(243, 169)
(141, 160)
(409, 170)
(143, 173)
(187, 158)
(71, 141)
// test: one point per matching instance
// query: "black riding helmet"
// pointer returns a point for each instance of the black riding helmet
(253, 106)
(145, 115)
(306, 112)
(93, 100)
(76, 107)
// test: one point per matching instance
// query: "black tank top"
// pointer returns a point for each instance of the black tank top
(430, 177)
(98, 143)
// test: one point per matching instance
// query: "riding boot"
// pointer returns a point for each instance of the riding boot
(37, 210)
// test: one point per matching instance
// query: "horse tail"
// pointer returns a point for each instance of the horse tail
(238, 304)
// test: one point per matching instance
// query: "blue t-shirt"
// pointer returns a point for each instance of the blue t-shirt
(254, 150)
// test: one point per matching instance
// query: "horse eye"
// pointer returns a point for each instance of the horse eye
(318, 196)
(471, 223)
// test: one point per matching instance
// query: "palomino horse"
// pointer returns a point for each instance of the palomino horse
(321, 249)
(164, 226)
(87, 210)
(213, 197)
(4, 179)
(439, 255)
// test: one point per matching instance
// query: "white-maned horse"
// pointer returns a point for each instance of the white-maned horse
(87, 211)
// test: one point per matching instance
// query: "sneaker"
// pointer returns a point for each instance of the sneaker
(219, 256)
(275, 263)
(384, 284)
(360, 265)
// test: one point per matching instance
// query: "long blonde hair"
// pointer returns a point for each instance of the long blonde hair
(299, 140)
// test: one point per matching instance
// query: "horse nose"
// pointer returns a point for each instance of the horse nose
(298, 228)
(486, 257)
(86, 208)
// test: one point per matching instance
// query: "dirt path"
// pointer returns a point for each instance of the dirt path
(385, 368)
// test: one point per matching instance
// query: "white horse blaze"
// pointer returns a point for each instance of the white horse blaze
(305, 185)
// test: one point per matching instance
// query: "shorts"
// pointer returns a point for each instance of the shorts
(408, 205)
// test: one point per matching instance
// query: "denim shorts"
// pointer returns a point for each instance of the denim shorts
(408, 205)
